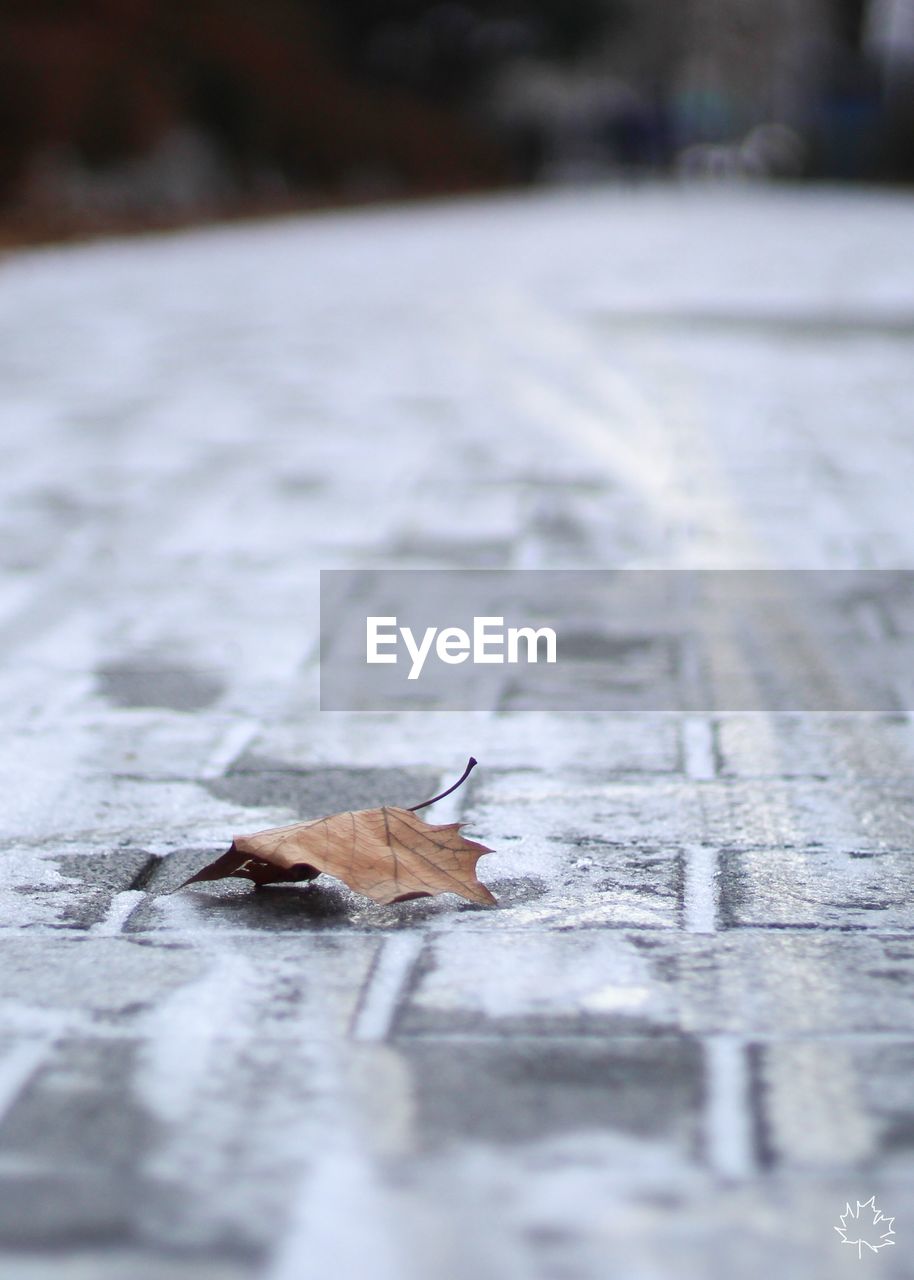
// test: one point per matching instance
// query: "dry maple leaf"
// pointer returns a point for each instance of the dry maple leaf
(387, 854)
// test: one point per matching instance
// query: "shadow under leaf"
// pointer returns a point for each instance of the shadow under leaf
(275, 907)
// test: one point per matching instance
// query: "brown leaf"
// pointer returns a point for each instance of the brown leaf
(387, 854)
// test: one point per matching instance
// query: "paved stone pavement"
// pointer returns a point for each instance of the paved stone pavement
(685, 1038)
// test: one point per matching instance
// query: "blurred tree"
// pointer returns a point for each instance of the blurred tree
(106, 81)
(850, 16)
(136, 104)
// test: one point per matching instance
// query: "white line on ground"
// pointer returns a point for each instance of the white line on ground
(728, 1112)
(699, 891)
(342, 1226)
(122, 905)
(728, 1107)
(232, 743)
(385, 985)
(450, 809)
(698, 748)
(699, 897)
(16, 1069)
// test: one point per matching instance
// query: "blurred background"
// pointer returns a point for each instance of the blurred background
(116, 113)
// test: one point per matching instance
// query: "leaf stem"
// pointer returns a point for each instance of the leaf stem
(471, 765)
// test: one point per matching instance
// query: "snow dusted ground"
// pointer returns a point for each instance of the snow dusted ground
(685, 1039)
